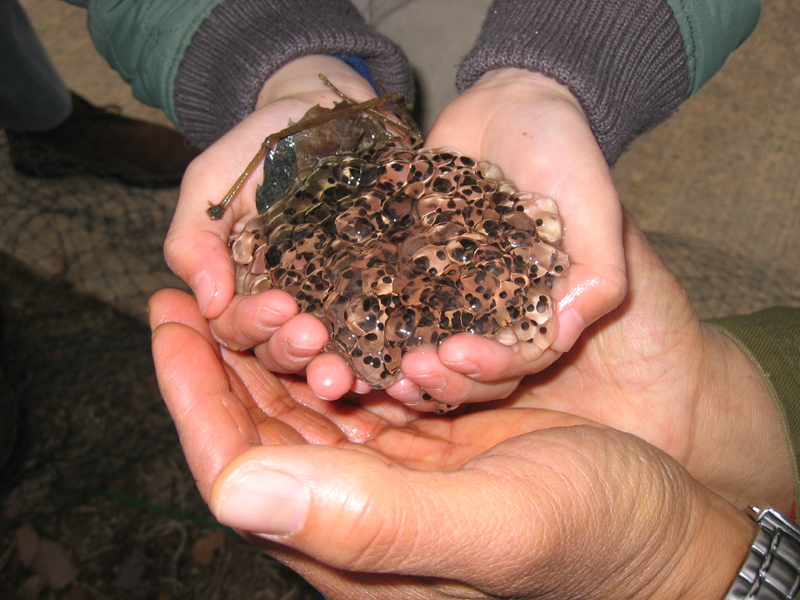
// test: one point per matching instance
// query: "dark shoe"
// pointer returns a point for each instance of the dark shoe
(93, 141)
(9, 423)
(9, 414)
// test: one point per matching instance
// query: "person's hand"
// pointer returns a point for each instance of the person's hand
(653, 369)
(571, 512)
(561, 159)
(392, 503)
(535, 130)
(196, 247)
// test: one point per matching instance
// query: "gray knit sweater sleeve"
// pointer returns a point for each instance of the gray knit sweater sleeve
(242, 42)
(623, 59)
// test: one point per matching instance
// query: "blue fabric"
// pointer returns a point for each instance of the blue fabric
(361, 68)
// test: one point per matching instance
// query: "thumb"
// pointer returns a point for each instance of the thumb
(503, 523)
(354, 511)
(196, 248)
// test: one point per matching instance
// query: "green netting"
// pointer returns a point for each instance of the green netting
(98, 466)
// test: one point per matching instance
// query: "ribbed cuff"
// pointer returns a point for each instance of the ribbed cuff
(624, 60)
(242, 42)
(771, 339)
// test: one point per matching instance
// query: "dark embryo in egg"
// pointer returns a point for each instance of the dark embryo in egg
(394, 246)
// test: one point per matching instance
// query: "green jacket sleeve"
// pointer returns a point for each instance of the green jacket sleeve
(145, 41)
(204, 61)
(771, 338)
(711, 30)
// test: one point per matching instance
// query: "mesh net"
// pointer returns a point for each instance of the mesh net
(99, 467)
(102, 238)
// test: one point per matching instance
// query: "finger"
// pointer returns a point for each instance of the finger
(213, 426)
(429, 385)
(176, 306)
(595, 282)
(196, 247)
(355, 512)
(587, 293)
(294, 345)
(486, 360)
(250, 320)
(329, 376)
(466, 368)
(418, 399)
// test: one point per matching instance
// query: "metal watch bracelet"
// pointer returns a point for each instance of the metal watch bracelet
(772, 569)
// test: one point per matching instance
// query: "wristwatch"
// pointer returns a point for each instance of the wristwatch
(772, 569)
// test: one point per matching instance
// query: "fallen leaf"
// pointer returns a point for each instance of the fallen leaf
(32, 587)
(27, 544)
(204, 548)
(55, 564)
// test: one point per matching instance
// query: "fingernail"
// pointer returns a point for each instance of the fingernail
(570, 327)
(263, 501)
(269, 319)
(409, 397)
(204, 290)
(299, 351)
(433, 382)
(466, 367)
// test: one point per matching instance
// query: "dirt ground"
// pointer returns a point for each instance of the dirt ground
(99, 473)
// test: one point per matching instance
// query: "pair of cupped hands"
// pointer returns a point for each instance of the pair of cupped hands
(618, 470)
